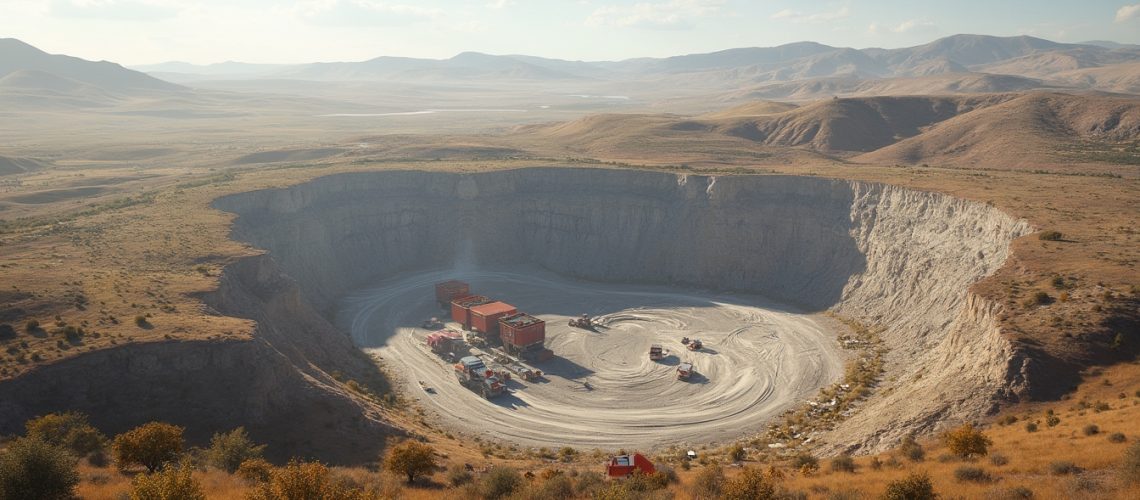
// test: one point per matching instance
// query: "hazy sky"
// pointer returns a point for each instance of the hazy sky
(289, 31)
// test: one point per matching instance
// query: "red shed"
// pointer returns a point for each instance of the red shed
(521, 330)
(624, 465)
(461, 308)
(450, 290)
(485, 318)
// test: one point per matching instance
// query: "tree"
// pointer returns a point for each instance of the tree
(966, 441)
(150, 445)
(32, 468)
(709, 482)
(172, 483)
(410, 458)
(228, 450)
(751, 484)
(69, 430)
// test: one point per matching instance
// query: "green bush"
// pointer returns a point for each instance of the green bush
(229, 450)
(33, 468)
(501, 482)
(150, 445)
(1050, 236)
(458, 475)
(972, 474)
(32, 326)
(1031, 427)
(1063, 467)
(998, 459)
(173, 483)
(1117, 437)
(737, 453)
(805, 461)
(69, 430)
(302, 481)
(916, 486)
(1091, 430)
(7, 332)
(842, 463)
(910, 449)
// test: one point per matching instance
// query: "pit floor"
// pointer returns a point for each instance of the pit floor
(601, 390)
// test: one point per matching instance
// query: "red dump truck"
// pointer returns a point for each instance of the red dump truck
(445, 342)
(450, 290)
(475, 375)
(624, 465)
(523, 335)
(485, 318)
(461, 308)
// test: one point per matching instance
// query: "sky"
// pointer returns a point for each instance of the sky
(134, 32)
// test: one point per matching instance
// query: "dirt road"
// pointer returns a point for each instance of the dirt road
(601, 389)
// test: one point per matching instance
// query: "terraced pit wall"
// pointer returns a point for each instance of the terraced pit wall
(879, 254)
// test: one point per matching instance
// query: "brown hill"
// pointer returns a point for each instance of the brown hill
(1031, 129)
(755, 108)
(858, 124)
(940, 84)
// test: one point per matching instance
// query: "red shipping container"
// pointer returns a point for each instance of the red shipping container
(522, 330)
(450, 290)
(461, 308)
(485, 318)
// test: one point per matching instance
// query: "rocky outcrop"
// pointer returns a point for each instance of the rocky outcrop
(890, 256)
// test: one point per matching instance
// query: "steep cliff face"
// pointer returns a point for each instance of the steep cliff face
(884, 255)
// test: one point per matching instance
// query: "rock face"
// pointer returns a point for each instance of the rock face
(884, 255)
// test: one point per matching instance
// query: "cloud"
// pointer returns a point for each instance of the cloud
(796, 16)
(908, 26)
(500, 4)
(673, 14)
(126, 10)
(362, 12)
(1127, 12)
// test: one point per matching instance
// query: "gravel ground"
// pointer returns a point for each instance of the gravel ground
(601, 390)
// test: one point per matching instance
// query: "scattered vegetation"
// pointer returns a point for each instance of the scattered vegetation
(150, 445)
(67, 430)
(228, 451)
(411, 459)
(1130, 464)
(973, 474)
(966, 441)
(1050, 236)
(916, 486)
(171, 483)
(32, 468)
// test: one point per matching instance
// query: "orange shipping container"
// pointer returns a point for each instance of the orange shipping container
(485, 318)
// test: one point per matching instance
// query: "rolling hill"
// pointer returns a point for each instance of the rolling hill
(18, 56)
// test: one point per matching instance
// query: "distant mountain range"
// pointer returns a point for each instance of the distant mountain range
(1041, 63)
(959, 64)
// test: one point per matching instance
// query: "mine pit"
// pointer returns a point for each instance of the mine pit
(601, 389)
(755, 267)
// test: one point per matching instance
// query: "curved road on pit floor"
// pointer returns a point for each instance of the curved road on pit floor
(601, 390)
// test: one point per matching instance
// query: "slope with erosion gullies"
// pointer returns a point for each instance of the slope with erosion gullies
(937, 84)
(861, 124)
(1025, 131)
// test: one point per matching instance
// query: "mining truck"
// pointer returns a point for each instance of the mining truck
(446, 343)
(450, 290)
(475, 375)
(684, 371)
